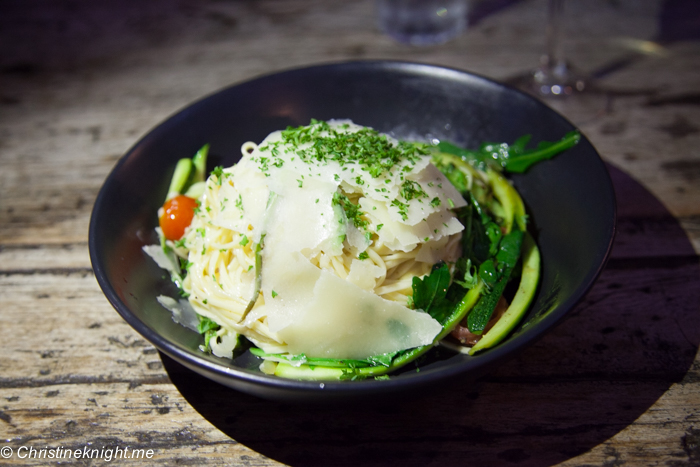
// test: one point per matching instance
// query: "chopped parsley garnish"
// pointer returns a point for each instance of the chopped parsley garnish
(435, 202)
(207, 327)
(402, 207)
(219, 173)
(352, 211)
(274, 294)
(412, 190)
(363, 256)
(239, 204)
(244, 240)
(371, 150)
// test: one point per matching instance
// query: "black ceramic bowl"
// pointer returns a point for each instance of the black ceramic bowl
(569, 198)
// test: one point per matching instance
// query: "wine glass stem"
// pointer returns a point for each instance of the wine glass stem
(554, 56)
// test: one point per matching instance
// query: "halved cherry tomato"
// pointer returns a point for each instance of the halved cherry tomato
(177, 215)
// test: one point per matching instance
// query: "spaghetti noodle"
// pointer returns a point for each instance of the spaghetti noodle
(380, 223)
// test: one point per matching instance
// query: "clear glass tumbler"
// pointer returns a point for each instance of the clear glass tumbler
(422, 22)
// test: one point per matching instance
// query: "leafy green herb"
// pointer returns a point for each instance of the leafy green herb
(244, 240)
(511, 158)
(208, 328)
(430, 293)
(506, 259)
(363, 256)
(468, 272)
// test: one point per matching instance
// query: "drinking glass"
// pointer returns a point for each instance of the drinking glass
(555, 75)
(422, 22)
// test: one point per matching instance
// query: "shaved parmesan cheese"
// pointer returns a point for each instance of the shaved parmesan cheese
(316, 199)
(321, 315)
(182, 311)
(169, 262)
(364, 274)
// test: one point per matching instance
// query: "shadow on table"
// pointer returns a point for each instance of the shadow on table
(633, 336)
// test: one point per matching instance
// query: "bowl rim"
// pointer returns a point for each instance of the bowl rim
(222, 372)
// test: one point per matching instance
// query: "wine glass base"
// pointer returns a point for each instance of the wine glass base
(557, 81)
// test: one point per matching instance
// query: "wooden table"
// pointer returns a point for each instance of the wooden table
(617, 383)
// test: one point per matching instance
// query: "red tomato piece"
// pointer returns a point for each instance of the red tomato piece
(177, 215)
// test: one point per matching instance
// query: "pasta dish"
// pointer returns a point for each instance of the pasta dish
(334, 251)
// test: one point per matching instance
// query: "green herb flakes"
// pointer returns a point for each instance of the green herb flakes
(218, 172)
(352, 211)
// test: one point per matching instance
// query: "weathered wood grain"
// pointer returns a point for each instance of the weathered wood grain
(26, 258)
(73, 374)
(616, 380)
(111, 415)
(616, 383)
